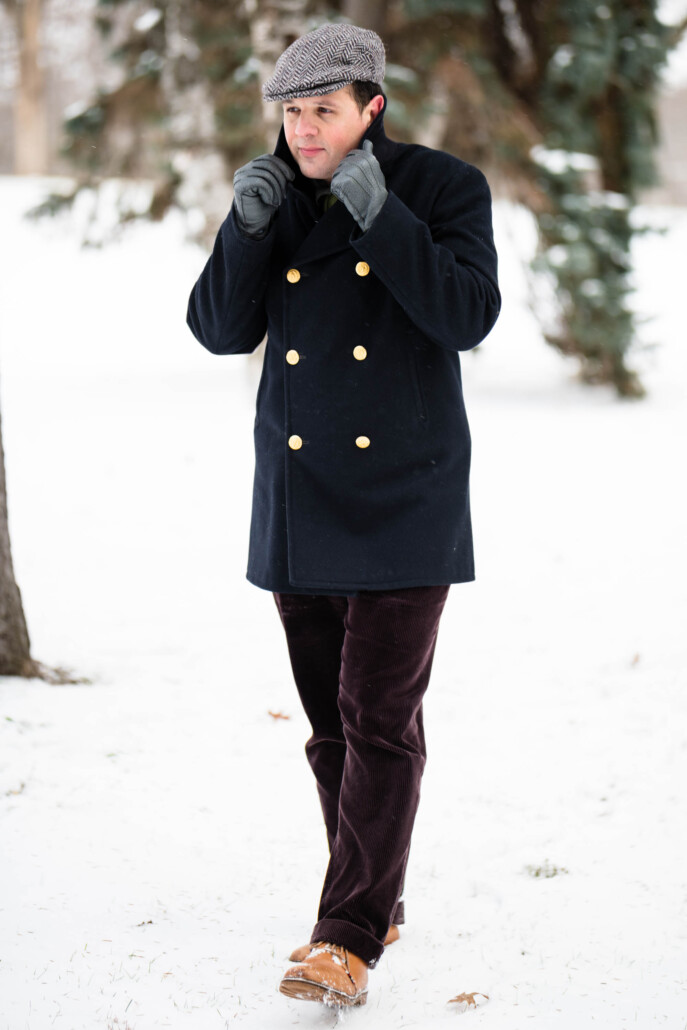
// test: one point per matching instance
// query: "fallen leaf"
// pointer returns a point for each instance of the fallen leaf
(278, 715)
(471, 1000)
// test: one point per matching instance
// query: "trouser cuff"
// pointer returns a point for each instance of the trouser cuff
(349, 936)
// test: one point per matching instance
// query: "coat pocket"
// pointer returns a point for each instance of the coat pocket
(414, 352)
(261, 391)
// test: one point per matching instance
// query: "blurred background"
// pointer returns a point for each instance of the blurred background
(575, 109)
(122, 112)
(154, 871)
(122, 123)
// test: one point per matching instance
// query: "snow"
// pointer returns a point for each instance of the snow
(673, 12)
(161, 839)
(559, 161)
(148, 20)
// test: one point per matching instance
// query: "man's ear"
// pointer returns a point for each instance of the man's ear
(375, 106)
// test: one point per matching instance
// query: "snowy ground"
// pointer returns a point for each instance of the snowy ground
(160, 835)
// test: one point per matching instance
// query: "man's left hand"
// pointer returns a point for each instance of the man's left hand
(360, 184)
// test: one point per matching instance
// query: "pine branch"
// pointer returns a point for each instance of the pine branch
(675, 33)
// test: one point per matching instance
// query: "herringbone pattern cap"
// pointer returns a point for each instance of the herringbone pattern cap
(325, 60)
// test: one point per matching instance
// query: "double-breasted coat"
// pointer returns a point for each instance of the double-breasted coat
(362, 445)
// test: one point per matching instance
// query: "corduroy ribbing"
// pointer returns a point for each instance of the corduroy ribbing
(362, 665)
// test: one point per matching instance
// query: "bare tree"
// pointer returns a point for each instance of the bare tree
(15, 650)
(273, 27)
(30, 119)
(15, 647)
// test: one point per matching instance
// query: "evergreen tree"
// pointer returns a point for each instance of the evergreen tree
(598, 99)
(555, 100)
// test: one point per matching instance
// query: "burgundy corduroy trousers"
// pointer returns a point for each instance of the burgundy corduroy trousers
(361, 666)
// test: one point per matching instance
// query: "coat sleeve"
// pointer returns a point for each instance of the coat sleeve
(442, 272)
(226, 309)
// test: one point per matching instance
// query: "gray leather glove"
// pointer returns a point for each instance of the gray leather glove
(259, 188)
(360, 184)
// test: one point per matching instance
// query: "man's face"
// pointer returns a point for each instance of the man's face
(321, 130)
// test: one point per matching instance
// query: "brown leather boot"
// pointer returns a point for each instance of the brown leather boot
(301, 953)
(330, 974)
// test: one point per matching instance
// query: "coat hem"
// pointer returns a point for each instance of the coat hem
(344, 588)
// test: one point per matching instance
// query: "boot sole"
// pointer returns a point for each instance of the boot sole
(310, 990)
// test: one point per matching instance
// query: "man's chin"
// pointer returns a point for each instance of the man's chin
(312, 168)
(311, 172)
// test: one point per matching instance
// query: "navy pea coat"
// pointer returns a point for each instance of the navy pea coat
(362, 445)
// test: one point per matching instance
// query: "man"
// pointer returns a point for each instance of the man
(369, 264)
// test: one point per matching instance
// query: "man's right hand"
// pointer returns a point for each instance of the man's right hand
(259, 188)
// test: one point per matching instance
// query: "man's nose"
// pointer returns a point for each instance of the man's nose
(305, 125)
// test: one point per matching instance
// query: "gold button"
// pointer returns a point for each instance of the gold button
(295, 443)
(359, 353)
(362, 268)
(293, 275)
(363, 442)
(293, 357)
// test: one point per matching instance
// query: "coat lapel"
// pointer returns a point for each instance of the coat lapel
(330, 234)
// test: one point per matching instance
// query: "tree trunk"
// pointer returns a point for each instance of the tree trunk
(191, 115)
(30, 120)
(273, 27)
(368, 14)
(431, 132)
(15, 655)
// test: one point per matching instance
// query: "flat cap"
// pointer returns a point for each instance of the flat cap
(325, 60)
